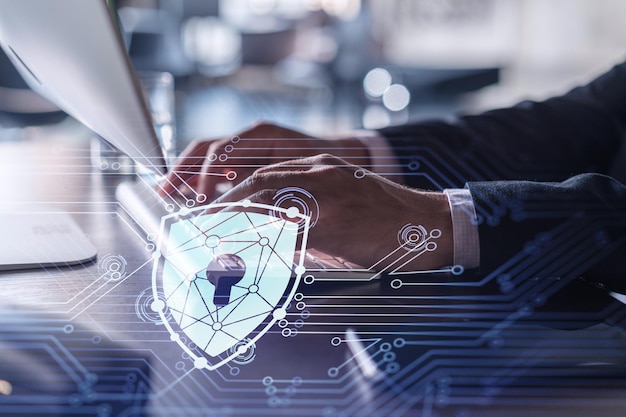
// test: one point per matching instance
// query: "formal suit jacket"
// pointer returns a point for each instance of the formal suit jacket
(544, 177)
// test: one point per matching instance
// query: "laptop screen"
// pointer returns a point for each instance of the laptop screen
(72, 52)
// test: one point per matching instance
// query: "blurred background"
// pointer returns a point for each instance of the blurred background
(327, 66)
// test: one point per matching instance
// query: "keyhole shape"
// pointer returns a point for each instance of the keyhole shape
(223, 272)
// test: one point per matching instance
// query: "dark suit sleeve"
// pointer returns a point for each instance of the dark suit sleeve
(559, 247)
(551, 223)
(552, 140)
(575, 228)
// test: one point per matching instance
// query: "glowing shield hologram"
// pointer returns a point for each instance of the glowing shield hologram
(250, 248)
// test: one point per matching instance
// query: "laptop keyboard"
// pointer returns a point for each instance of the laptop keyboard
(142, 203)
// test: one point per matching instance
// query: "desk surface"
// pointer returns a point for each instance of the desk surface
(79, 341)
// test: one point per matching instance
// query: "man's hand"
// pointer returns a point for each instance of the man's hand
(362, 217)
(206, 164)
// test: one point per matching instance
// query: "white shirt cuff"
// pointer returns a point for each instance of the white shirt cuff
(464, 228)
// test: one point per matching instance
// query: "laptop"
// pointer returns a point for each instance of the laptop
(72, 52)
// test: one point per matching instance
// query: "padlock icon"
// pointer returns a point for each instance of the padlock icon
(225, 273)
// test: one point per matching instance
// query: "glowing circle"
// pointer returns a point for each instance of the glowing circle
(399, 342)
(200, 363)
(296, 203)
(212, 241)
(397, 97)
(292, 212)
(414, 165)
(376, 82)
(376, 117)
(396, 284)
(157, 305)
(412, 238)
(457, 270)
(392, 368)
(280, 313)
(300, 270)
(359, 173)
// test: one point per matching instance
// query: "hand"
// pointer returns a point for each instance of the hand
(362, 217)
(206, 164)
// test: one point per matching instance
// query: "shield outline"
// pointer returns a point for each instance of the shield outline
(200, 361)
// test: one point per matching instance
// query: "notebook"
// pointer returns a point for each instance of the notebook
(81, 65)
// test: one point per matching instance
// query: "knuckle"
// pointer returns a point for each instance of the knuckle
(258, 126)
(326, 159)
(256, 179)
(216, 149)
(262, 124)
(266, 195)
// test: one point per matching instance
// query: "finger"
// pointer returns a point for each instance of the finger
(214, 175)
(189, 163)
(305, 164)
(204, 171)
(262, 181)
(265, 197)
(226, 163)
(235, 177)
(302, 173)
(234, 160)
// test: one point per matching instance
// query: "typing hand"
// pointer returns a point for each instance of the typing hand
(207, 163)
(362, 217)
